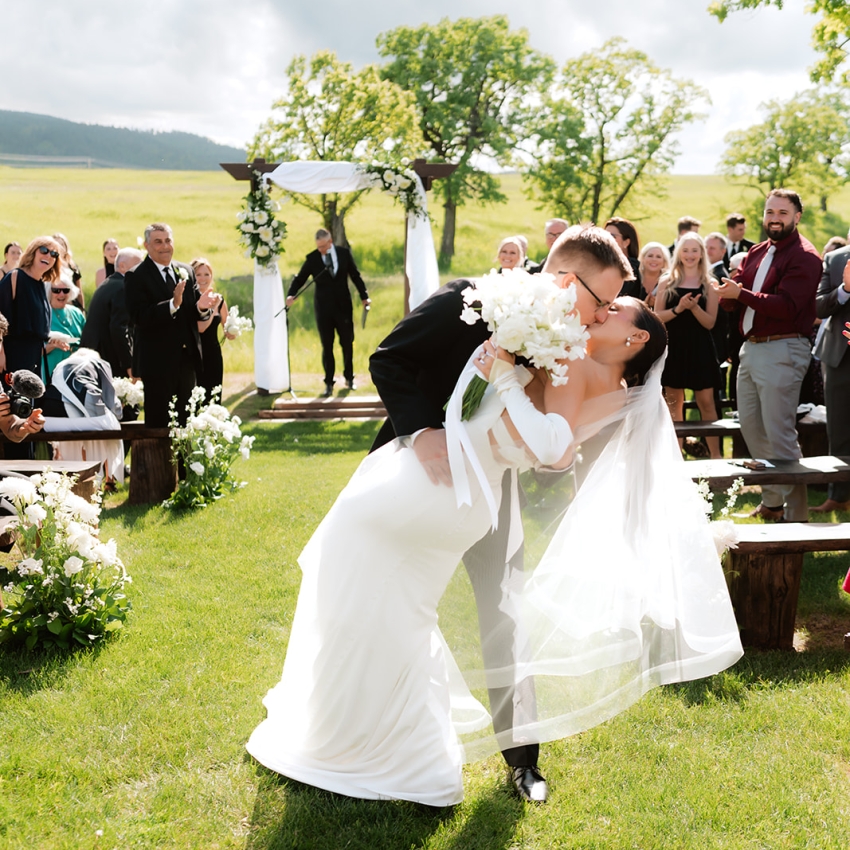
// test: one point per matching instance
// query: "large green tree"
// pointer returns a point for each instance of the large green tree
(607, 129)
(474, 81)
(830, 35)
(803, 143)
(332, 113)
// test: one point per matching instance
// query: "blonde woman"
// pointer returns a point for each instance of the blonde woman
(687, 304)
(653, 264)
(213, 373)
(511, 254)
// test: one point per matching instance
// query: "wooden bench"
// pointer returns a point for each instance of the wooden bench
(86, 471)
(154, 477)
(764, 576)
(812, 435)
(823, 469)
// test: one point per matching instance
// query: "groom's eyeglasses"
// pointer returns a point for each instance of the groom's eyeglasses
(600, 304)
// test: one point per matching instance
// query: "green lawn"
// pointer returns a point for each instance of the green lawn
(145, 738)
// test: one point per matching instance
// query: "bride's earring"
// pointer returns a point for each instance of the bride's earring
(628, 341)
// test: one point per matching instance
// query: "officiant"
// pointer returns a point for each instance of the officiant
(331, 266)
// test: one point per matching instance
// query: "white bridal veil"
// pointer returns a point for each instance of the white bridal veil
(622, 590)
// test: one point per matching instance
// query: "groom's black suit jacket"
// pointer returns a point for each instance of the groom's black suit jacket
(417, 366)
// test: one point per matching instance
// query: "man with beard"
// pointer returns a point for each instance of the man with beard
(773, 291)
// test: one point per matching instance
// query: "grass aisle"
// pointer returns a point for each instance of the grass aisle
(144, 740)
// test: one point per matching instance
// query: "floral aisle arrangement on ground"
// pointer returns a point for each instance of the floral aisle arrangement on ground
(724, 529)
(261, 234)
(206, 446)
(529, 315)
(67, 587)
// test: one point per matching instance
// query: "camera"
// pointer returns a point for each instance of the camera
(19, 404)
(21, 388)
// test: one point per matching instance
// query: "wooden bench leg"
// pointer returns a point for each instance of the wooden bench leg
(153, 477)
(764, 590)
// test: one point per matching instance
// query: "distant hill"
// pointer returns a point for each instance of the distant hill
(31, 140)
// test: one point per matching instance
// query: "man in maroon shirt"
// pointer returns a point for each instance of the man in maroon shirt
(773, 292)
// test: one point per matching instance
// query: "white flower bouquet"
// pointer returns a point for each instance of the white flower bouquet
(260, 233)
(129, 393)
(207, 446)
(236, 325)
(67, 588)
(528, 315)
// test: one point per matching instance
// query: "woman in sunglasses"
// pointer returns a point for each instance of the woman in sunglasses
(23, 301)
(66, 323)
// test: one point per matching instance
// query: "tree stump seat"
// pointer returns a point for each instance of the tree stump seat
(764, 576)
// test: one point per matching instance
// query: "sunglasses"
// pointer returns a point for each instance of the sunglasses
(43, 249)
(59, 291)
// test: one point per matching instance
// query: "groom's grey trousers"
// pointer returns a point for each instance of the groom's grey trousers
(486, 564)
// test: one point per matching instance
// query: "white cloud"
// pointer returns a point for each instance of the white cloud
(214, 67)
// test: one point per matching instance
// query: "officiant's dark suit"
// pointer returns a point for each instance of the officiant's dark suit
(415, 370)
(832, 350)
(332, 302)
(168, 344)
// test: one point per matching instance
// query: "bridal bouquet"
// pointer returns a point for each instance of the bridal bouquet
(236, 325)
(207, 446)
(129, 393)
(67, 587)
(529, 315)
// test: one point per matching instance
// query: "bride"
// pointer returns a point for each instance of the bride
(372, 703)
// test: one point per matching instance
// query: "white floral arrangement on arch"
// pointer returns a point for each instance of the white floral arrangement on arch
(129, 393)
(67, 587)
(528, 315)
(260, 233)
(207, 446)
(398, 182)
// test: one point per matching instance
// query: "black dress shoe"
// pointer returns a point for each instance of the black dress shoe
(530, 784)
(351, 385)
(329, 391)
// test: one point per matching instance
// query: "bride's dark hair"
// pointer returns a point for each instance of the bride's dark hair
(653, 348)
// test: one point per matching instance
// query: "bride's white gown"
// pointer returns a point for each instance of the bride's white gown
(364, 706)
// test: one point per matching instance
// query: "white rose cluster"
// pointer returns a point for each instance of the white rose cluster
(529, 315)
(236, 325)
(260, 234)
(129, 393)
(399, 183)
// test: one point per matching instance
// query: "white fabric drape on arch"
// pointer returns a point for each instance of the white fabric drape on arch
(271, 342)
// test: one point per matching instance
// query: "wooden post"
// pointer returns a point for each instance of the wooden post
(154, 476)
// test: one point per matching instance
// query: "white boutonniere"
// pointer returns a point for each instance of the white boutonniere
(181, 273)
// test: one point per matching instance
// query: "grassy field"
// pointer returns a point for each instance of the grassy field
(92, 205)
(144, 739)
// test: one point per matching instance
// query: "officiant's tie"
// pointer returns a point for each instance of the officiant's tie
(329, 263)
(758, 283)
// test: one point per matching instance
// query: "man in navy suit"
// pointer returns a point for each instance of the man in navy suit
(331, 266)
(165, 308)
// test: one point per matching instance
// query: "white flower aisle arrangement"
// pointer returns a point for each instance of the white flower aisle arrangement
(236, 325)
(261, 235)
(207, 447)
(129, 393)
(724, 529)
(67, 587)
(528, 315)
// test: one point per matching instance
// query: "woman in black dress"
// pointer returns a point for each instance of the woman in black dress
(213, 372)
(687, 304)
(625, 235)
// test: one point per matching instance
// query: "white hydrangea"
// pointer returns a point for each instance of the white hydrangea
(19, 491)
(36, 514)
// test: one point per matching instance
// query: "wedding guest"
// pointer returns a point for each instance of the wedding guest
(833, 244)
(653, 262)
(686, 224)
(110, 252)
(212, 374)
(736, 227)
(510, 254)
(65, 319)
(15, 428)
(107, 324)
(626, 237)
(687, 304)
(554, 228)
(71, 273)
(11, 258)
(715, 247)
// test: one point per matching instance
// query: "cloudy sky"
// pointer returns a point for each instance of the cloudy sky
(214, 67)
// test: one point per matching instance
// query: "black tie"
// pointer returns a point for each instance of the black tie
(329, 263)
(169, 279)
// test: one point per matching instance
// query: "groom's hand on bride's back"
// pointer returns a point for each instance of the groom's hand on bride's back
(430, 448)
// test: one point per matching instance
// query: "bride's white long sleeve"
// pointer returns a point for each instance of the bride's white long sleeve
(547, 435)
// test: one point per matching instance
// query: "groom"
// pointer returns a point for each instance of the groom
(415, 370)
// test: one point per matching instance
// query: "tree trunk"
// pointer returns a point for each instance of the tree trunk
(447, 246)
(335, 223)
